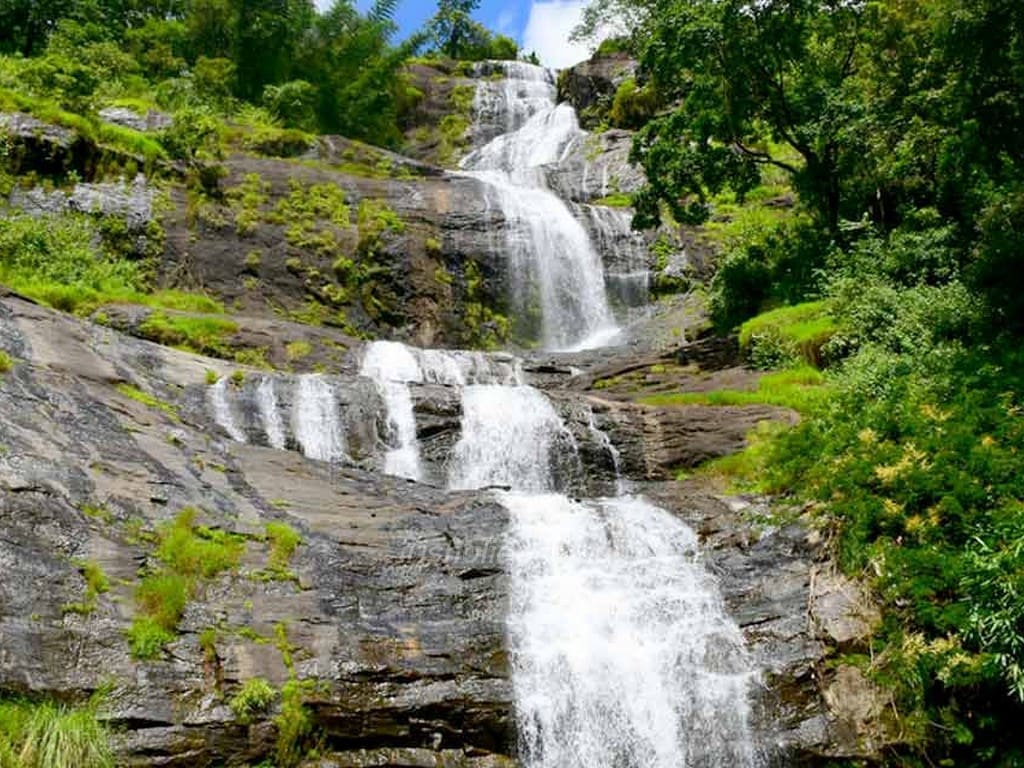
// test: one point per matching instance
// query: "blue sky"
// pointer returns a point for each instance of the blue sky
(537, 25)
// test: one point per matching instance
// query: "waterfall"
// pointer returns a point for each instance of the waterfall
(549, 249)
(315, 420)
(622, 654)
(507, 437)
(270, 414)
(621, 651)
(221, 405)
(600, 437)
(392, 367)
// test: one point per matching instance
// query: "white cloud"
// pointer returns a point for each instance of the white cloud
(547, 32)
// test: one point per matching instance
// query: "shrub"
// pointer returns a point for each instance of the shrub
(633, 105)
(188, 554)
(253, 698)
(788, 335)
(197, 551)
(283, 541)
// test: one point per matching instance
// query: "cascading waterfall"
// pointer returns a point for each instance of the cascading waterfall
(315, 420)
(622, 654)
(549, 250)
(270, 414)
(221, 404)
(507, 437)
(393, 367)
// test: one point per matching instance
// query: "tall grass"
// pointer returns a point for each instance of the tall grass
(49, 735)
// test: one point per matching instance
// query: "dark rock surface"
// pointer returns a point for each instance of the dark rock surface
(590, 86)
(396, 611)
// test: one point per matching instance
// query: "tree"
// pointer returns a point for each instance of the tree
(451, 28)
(753, 82)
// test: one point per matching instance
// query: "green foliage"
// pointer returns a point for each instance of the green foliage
(96, 584)
(202, 334)
(766, 261)
(151, 401)
(294, 724)
(283, 540)
(57, 261)
(800, 388)
(253, 698)
(197, 551)
(633, 105)
(787, 335)
(6, 362)
(187, 555)
(45, 734)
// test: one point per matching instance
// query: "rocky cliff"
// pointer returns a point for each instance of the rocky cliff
(391, 610)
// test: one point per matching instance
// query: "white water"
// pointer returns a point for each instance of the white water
(218, 397)
(392, 367)
(549, 250)
(622, 654)
(315, 420)
(507, 437)
(270, 414)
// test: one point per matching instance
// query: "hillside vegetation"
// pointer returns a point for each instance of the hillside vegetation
(898, 127)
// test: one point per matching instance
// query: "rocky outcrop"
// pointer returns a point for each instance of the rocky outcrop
(394, 614)
(590, 86)
(393, 607)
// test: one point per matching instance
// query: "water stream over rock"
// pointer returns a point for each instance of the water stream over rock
(622, 653)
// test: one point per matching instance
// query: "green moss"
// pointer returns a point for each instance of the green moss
(205, 335)
(6, 362)
(615, 200)
(282, 540)
(115, 137)
(148, 400)
(298, 350)
(211, 377)
(800, 389)
(253, 698)
(247, 201)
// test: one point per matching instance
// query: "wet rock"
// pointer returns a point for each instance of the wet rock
(152, 121)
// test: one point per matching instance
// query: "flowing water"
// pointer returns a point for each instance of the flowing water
(393, 367)
(622, 654)
(315, 419)
(549, 250)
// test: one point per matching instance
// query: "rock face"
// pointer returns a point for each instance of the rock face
(393, 612)
(590, 86)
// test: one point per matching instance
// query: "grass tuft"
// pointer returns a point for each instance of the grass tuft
(801, 389)
(50, 735)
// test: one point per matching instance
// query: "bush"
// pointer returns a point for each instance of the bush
(188, 554)
(253, 698)
(294, 103)
(283, 541)
(769, 262)
(633, 105)
(788, 335)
